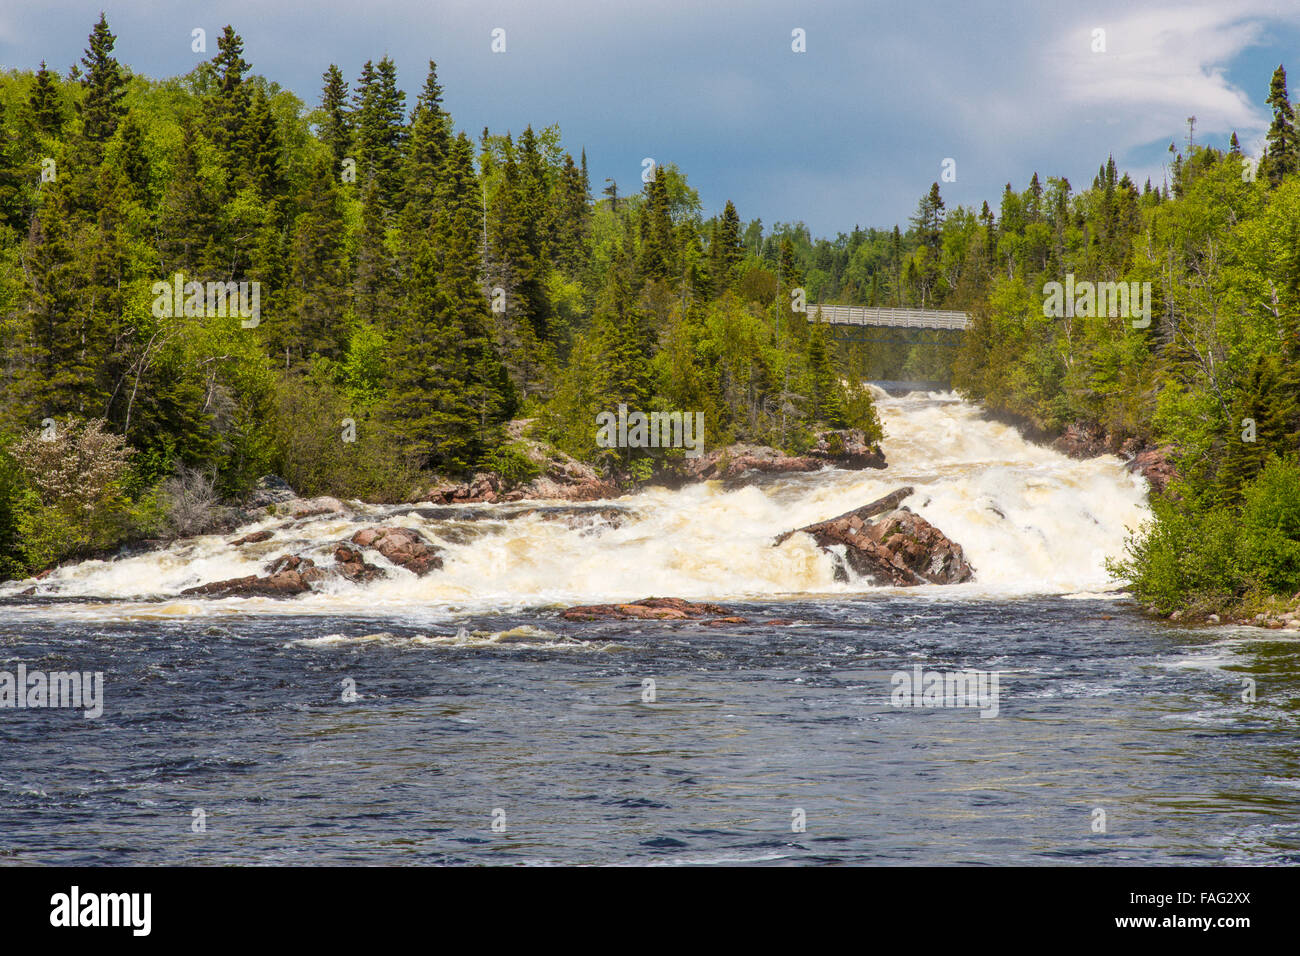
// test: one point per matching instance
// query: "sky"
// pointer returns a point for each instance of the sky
(851, 131)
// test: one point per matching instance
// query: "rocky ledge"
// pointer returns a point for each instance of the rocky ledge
(1087, 440)
(889, 545)
(291, 574)
(565, 478)
(743, 464)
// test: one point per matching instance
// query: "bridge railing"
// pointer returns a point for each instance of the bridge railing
(898, 318)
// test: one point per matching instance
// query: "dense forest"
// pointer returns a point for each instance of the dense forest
(1212, 374)
(414, 290)
(418, 289)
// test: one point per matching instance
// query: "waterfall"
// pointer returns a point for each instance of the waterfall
(1031, 521)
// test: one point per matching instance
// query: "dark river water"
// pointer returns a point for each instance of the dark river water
(1117, 740)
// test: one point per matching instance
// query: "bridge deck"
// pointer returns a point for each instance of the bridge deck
(897, 318)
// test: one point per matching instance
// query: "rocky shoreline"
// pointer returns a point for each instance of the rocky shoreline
(564, 478)
(1082, 440)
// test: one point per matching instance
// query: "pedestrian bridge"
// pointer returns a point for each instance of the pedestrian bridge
(855, 315)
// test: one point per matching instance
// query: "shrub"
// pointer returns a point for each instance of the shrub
(188, 501)
(1209, 557)
(512, 463)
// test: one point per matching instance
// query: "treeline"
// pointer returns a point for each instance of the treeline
(1215, 372)
(417, 289)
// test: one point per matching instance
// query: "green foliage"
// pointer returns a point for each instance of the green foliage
(512, 463)
(1210, 558)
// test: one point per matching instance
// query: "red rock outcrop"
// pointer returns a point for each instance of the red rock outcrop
(405, 547)
(898, 548)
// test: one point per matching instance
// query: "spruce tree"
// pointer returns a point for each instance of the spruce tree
(374, 285)
(624, 340)
(101, 106)
(823, 388)
(12, 202)
(228, 104)
(336, 127)
(1268, 398)
(380, 110)
(1283, 152)
(44, 105)
(428, 145)
(725, 251)
(318, 270)
(261, 148)
(189, 223)
(571, 218)
(658, 255)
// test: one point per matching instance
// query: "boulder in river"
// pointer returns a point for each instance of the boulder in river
(290, 575)
(404, 547)
(349, 563)
(847, 448)
(890, 545)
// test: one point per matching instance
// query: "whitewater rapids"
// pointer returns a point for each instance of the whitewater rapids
(1031, 521)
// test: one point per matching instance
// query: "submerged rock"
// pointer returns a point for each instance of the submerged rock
(651, 609)
(257, 537)
(898, 547)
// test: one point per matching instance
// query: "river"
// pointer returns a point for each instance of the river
(457, 718)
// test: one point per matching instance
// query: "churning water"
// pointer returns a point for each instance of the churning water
(229, 733)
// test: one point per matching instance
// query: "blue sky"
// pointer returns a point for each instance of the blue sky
(852, 131)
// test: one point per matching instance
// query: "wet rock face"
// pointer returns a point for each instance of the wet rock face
(350, 564)
(405, 547)
(289, 575)
(890, 545)
(1155, 465)
(1083, 440)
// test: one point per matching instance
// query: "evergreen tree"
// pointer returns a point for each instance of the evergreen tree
(624, 339)
(374, 285)
(571, 218)
(1269, 400)
(228, 104)
(189, 223)
(725, 251)
(336, 127)
(318, 271)
(445, 400)
(12, 202)
(929, 216)
(261, 148)
(658, 258)
(428, 145)
(1283, 152)
(101, 106)
(379, 110)
(824, 390)
(44, 105)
